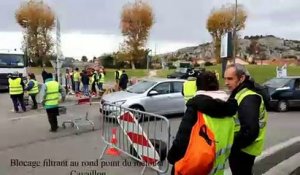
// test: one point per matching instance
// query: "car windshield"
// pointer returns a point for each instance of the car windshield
(277, 82)
(11, 60)
(141, 87)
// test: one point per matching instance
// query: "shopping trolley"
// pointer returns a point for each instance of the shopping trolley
(77, 121)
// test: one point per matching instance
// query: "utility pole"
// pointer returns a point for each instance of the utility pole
(234, 32)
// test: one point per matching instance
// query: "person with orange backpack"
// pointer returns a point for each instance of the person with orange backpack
(203, 142)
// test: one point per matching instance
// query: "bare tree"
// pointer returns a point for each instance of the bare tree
(136, 21)
(37, 20)
(220, 21)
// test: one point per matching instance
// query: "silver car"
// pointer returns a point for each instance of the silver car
(155, 95)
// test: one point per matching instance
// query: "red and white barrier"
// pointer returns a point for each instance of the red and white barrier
(138, 139)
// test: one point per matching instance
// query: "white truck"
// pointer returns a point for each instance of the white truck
(11, 61)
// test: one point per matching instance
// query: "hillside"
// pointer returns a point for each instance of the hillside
(271, 47)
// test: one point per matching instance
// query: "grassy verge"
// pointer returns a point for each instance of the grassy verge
(260, 73)
(110, 73)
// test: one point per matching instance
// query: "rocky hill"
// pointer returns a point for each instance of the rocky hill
(270, 47)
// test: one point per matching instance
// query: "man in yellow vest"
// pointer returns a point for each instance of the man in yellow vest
(52, 93)
(209, 105)
(16, 91)
(33, 89)
(189, 87)
(250, 121)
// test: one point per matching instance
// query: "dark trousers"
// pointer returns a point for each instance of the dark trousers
(18, 99)
(241, 163)
(33, 100)
(94, 87)
(52, 117)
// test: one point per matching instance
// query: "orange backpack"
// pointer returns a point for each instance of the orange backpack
(200, 154)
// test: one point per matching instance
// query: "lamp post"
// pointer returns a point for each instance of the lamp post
(148, 57)
(234, 32)
(27, 42)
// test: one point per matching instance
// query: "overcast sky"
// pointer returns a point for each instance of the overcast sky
(91, 27)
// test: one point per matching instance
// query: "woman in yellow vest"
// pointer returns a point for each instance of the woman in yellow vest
(33, 89)
(16, 91)
(203, 141)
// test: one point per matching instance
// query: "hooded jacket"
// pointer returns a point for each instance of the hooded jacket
(207, 102)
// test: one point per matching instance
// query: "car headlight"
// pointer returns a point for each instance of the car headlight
(119, 103)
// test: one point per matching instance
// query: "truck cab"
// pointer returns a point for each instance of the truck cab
(11, 61)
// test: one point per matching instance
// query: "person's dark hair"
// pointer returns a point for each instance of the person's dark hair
(76, 69)
(32, 76)
(207, 81)
(123, 71)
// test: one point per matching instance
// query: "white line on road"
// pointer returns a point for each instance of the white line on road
(272, 150)
(285, 167)
(25, 117)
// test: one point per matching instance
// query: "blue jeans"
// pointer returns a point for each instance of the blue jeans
(100, 86)
(77, 86)
(86, 89)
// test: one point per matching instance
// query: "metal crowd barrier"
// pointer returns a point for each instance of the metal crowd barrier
(142, 136)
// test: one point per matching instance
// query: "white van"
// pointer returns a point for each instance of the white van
(11, 61)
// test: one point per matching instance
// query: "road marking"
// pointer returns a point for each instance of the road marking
(272, 150)
(285, 167)
(26, 117)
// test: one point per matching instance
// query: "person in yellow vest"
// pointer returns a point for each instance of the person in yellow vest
(118, 74)
(251, 119)
(94, 80)
(52, 93)
(205, 135)
(217, 75)
(16, 91)
(189, 88)
(101, 80)
(33, 89)
(76, 78)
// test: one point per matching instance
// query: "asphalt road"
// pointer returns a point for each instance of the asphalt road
(26, 137)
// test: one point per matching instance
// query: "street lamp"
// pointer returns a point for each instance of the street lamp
(234, 31)
(148, 57)
(25, 21)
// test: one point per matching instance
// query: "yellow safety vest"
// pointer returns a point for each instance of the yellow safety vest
(223, 129)
(102, 79)
(76, 76)
(120, 73)
(52, 93)
(35, 88)
(256, 147)
(15, 87)
(189, 89)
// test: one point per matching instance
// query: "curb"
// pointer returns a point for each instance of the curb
(272, 150)
(286, 167)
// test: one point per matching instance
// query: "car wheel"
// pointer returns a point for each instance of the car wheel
(282, 106)
(137, 115)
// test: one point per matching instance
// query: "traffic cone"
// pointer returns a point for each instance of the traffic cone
(113, 151)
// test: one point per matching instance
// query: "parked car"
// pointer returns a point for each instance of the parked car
(183, 73)
(284, 92)
(155, 95)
